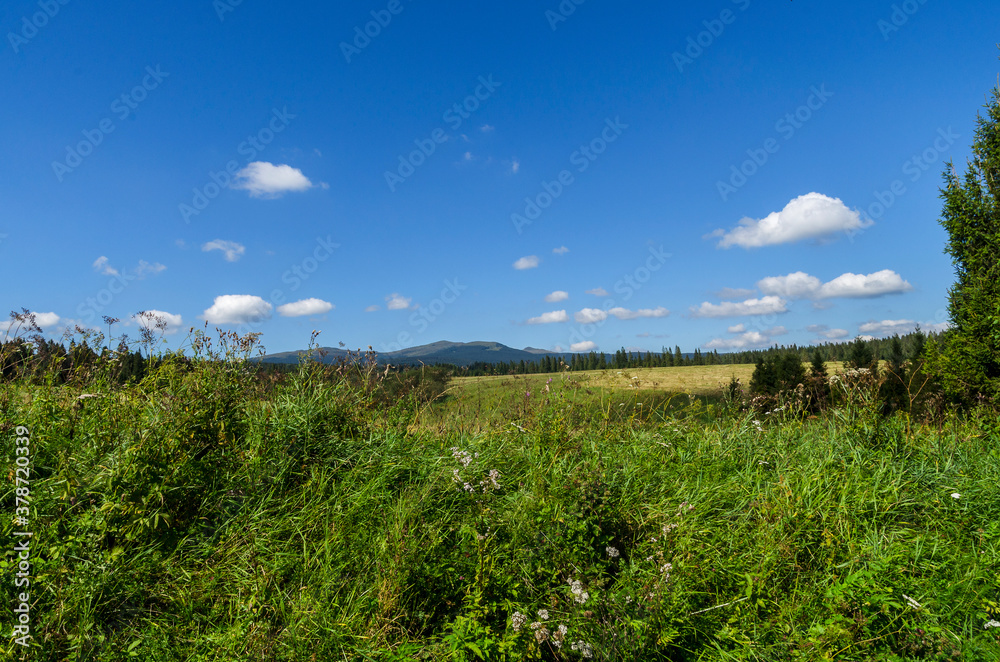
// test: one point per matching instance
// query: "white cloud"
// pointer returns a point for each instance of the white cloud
(174, 323)
(859, 286)
(515, 167)
(372, 309)
(558, 295)
(396, 301)
(801, 285)
(43, 320)
(528, 262)
(823, 331)
(892, 327)
(739, 328)
(590, 316)
(585, 346)
(550, 318)
(626, 314)
(231, 250)
(311, 306)
(598, 292)
(809, 216)
(266, 180)
(562, 250)
(101, 266)
(798, 285)
(748, 340)
(764, 306)
(237, 309)
(145, 268)
(486, 128)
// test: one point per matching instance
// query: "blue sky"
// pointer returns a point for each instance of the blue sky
(584, 174)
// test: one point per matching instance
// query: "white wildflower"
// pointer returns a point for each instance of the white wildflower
(543, 614)
(956, 495)
(910, 601)
(612, 552)
(518, 620)
(584, 648)
(991, 624)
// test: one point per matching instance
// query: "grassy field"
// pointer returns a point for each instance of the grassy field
(206, 515)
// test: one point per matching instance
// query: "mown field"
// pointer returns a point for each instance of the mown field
(206, 514)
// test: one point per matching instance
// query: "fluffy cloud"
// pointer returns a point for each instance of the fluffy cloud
(305, 307)
(768, 305)
(529, 262)
(562, 250)
(237, 309)
(43, 320)
(598, 292)
(823, 331)
(747, 340)
(585, 346)
(590, 316)
(397, 301)
(594, 315)
(809, 216)
(550, 318)
(372, 309)
(798, 285)
(801, 285)
(231, 250)
(859, 286)
(739, 328)
(173, 323)
(266, 180)
(558, 295)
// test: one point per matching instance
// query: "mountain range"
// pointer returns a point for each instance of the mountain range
(454, 353)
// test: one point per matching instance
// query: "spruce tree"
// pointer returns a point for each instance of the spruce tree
(968, 360)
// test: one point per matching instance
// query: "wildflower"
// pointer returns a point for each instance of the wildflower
(584, 649)
(910, 601)
(579, 595)
(542, 634)
(956, 495)
(527, 394)
(559, 635)
(543, 614)
(612, 552)
(518, 620)
(991, 624)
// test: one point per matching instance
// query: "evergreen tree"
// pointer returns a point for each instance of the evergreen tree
(968, 360)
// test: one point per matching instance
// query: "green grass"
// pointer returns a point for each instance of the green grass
(203, 515)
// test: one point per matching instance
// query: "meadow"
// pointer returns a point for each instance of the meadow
(208, 512)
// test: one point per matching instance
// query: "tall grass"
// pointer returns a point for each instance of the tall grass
(207, 514)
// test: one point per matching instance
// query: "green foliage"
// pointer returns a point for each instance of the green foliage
(968, 359)
(777, 373)
(209, 511)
